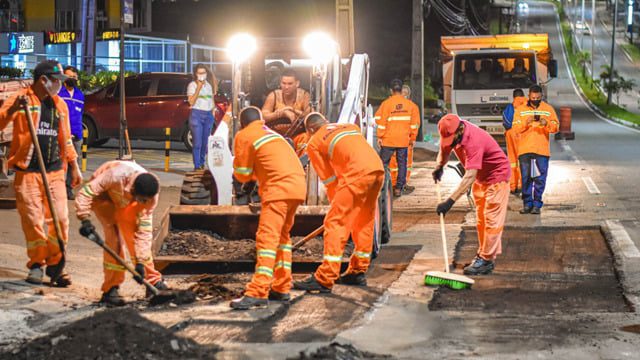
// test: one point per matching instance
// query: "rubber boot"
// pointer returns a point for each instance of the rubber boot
(278, 296)
(356, 279)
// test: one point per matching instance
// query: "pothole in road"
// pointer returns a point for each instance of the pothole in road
(540, 272)
(403, 221)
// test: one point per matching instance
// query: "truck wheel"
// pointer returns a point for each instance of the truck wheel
(385, 202)
(198, 188)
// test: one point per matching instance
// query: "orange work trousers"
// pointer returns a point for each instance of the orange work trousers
(352, 211)
(33, 207)
(393, 166)
(515, 182)
(120, 226)
(273, 249)
(491, 213)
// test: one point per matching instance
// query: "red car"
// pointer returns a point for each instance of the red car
(154, 101)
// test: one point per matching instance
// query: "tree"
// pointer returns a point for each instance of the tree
(608, 79)
(583, 59)
(625, 85)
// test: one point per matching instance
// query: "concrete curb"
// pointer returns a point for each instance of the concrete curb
(623, 267)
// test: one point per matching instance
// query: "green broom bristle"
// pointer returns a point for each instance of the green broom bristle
(452, 284)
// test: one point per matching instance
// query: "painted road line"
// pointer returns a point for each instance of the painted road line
(622, 240)
(591, 186)
(566, 148)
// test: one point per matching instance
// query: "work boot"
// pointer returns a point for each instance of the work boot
(63, 280)
(397, 192)
(479, 266)
(160, 285)
(35, 275)
(70, 195)
(526, 210)
(248, 302)
(408, 189)
(112, 298)
(535, 211)
(278, 296)
(311, 285)
(357, 279)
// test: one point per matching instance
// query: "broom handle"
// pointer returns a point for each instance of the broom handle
(443, 233)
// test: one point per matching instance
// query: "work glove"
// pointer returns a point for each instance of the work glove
(437, 174)
(140, 271)
(445, 206)
(87, 228)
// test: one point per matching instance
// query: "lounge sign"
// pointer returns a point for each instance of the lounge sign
(22, 43)
(62, 37)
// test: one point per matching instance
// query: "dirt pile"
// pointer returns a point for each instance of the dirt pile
(205, 243)
(336, 351)
(112, 334)
(221, 287)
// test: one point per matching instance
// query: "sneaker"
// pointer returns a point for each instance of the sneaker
(397, 192)
(479, 266)
(278, 296)
(311, 285)
(357, 279)
(535, 211)
(408, 189)
(112, 298)
(248, 302)
(35, 275)
(526, 210)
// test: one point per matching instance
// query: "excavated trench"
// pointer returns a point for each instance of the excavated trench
(541, 271)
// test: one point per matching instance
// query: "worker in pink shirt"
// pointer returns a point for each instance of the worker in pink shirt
(487, 169)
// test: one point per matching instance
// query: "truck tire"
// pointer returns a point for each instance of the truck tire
(198, 188)
(385, 202)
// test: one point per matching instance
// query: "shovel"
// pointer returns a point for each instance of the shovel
(306, 239)
(159, 296)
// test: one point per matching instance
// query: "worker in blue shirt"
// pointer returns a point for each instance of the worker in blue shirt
(74, 98)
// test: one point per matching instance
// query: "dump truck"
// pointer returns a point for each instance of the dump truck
(480, 73)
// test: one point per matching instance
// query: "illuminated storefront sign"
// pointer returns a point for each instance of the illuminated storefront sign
(22, 43)
(62, 37)
(109, 35)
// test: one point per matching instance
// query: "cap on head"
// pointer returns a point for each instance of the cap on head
(49, 68)
(447, 127)
(314, 120)
(146, 184)
(249, 115)
(396, 85)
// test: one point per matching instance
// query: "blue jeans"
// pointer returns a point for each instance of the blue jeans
(533, 188)
(386, 153)
(201, 124)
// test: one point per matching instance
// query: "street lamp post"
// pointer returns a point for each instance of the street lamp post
(593, 38)
(613, 49)
(583, 28)
(630, 20)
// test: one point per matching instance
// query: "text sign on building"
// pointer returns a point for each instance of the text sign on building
(22, 43)
(128, 11)
(109, 35)
(62, 37)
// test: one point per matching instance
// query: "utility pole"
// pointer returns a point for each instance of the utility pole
(584, 27)
(630, 20)
(88, 35)
(417, 60)
(613, 48)
(593, 38)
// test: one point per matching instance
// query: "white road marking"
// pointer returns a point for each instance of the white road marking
(566, 148)
(591, 186)
(622, 240)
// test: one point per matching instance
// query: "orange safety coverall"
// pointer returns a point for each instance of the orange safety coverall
(125, 221)
(398, 121)
(31, 200)
(534, 138)
(353, 174)
(393, 166)
(512, 138)
(263, 154)
(302, 104)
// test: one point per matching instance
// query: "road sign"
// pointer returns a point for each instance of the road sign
(128, 11)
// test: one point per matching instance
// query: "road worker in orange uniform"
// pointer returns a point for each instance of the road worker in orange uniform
(123, 196)
(534, 121)
(50, 118)
(353, 175)
(487, 172)
(512, 137)
(393, 164)
(263, 154)
(283, 107)
(398, 120)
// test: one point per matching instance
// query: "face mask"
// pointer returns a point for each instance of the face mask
(535, 103)
(52, 87)
(202, 77)
(71, 82)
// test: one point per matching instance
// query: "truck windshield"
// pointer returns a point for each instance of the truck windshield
(494, 71)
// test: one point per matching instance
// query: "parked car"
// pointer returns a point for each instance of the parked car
(153, 102)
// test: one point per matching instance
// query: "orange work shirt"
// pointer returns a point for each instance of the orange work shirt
(398, 121)
(534, 137)
(263, 154)
(341, 156)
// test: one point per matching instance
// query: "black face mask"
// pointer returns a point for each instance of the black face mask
(71, 82)
(535, 103)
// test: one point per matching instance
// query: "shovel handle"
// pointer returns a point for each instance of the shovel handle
(306, 239)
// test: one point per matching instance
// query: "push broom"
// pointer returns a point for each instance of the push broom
(446, 278)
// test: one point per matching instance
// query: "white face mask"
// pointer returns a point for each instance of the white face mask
(52, 87)
(202, 77)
